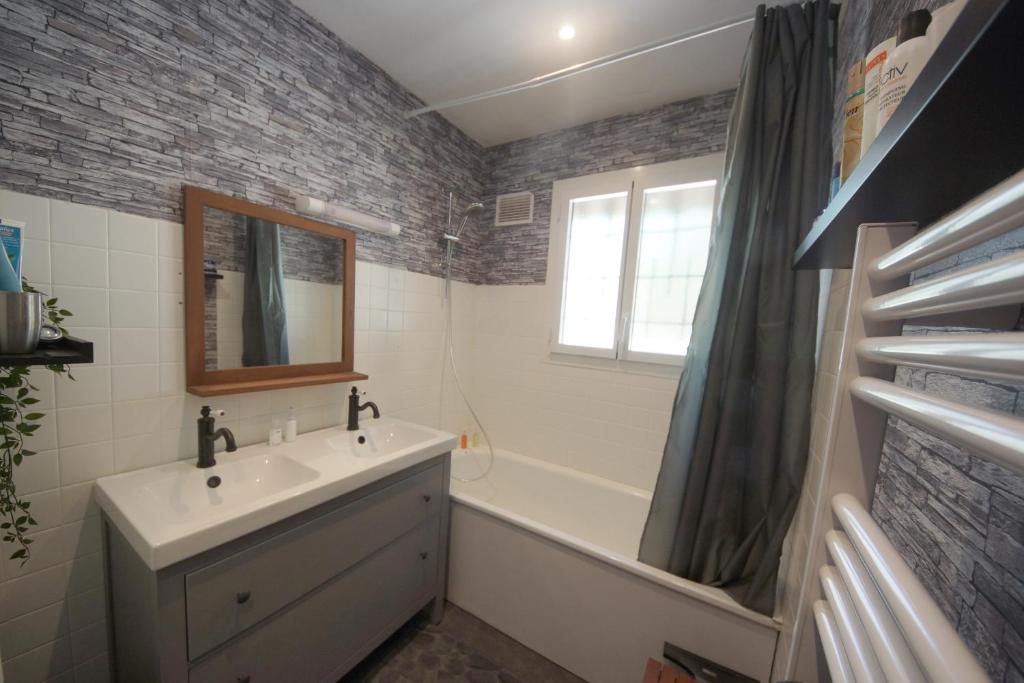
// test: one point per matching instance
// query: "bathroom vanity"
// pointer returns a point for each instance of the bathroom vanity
(295, 581)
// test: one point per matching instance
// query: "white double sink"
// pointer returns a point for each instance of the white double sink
(175, 511)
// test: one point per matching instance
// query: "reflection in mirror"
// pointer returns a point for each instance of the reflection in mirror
(273, 293)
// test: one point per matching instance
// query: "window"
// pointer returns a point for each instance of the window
(628, 251)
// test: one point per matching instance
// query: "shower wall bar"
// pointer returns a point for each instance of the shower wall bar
(877, 621)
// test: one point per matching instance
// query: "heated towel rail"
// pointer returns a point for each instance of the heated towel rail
(876, 621)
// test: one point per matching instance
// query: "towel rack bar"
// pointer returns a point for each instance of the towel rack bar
(996, 436)
(854, 638)
(990, 284)
(998, 357)
(835, 655)
(934, 642)
(888, 643)
(988, 215)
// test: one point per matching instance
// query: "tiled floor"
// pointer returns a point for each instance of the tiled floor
(460, 648)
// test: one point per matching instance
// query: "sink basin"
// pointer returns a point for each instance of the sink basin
(376, 438)
(172, 512)
(196, 494)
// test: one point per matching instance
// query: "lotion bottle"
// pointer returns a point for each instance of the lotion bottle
(874, 64)
(904, 63)
(291, 427)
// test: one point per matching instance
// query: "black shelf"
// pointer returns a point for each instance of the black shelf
(69, 350)
(958, 132)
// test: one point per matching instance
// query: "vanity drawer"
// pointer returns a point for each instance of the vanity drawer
(325, 633)
(229, 596)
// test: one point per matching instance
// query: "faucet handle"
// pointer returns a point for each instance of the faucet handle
(207, 411)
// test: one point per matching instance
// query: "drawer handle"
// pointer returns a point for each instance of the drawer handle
(241, 599)
(426, 498)
(244, 679)
(423, 556)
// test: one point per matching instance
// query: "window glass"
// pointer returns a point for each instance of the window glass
(593, 267)
(675, 233)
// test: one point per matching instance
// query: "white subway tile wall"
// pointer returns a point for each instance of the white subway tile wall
(122, 277)
(592, 415)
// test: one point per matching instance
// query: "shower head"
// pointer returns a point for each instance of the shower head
(472, 210)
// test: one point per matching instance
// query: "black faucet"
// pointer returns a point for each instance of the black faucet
(354, 408)
(208, 437)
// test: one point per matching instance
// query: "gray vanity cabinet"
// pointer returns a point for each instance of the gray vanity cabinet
(302, 600)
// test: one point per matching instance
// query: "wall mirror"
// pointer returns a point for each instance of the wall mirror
(269, 297)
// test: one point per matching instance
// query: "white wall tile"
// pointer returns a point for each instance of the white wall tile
(133, 271)
(33, 211)
(86, 462)
(76, 265)
(171, 275)
(133, 382)
(31, 630)
(39, 472)
(171, 310)
(83, 425)
(170, 240)
(137, 417)
(172, 345)
(91, 385)
(130, 345)
(77, 501)
(78, 224)
(35, 261)
(133, 309)
(132, 233)
(91, 307)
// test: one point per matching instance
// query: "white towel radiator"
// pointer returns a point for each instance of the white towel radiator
(875, 620)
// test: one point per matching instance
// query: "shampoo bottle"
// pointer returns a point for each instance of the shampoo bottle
(904, 63)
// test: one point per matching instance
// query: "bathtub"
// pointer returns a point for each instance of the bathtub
(547, 555)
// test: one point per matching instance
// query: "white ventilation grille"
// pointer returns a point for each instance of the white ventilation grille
(515, 208)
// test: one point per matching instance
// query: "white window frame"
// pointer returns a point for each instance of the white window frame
(633, 181)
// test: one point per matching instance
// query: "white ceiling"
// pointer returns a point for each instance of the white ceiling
(443, 49)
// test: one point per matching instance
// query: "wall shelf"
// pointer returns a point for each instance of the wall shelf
(957, 133)
(69, 351)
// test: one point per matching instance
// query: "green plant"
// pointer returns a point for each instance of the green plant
(19, 420)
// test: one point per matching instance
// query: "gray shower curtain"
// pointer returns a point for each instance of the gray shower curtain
(737, 444)
(264, 330)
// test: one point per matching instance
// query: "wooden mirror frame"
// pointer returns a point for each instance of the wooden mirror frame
(203, 382)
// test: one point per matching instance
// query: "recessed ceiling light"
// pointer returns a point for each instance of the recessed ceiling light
(567, 32)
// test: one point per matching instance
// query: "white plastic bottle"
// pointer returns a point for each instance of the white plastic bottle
(291, 427)
(904, 63)
(874, 64)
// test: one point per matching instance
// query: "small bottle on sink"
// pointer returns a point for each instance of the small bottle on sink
(291, 427)
(276, 433)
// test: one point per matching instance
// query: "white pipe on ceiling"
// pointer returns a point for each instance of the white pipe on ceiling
(583, 67)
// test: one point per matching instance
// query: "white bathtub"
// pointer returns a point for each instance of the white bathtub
(547, 555)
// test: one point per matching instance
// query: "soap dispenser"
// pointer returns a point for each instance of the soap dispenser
(291, 427)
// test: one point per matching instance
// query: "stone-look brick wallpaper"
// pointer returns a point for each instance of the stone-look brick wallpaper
(955, 518)
(116, 103)
(518, 254)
